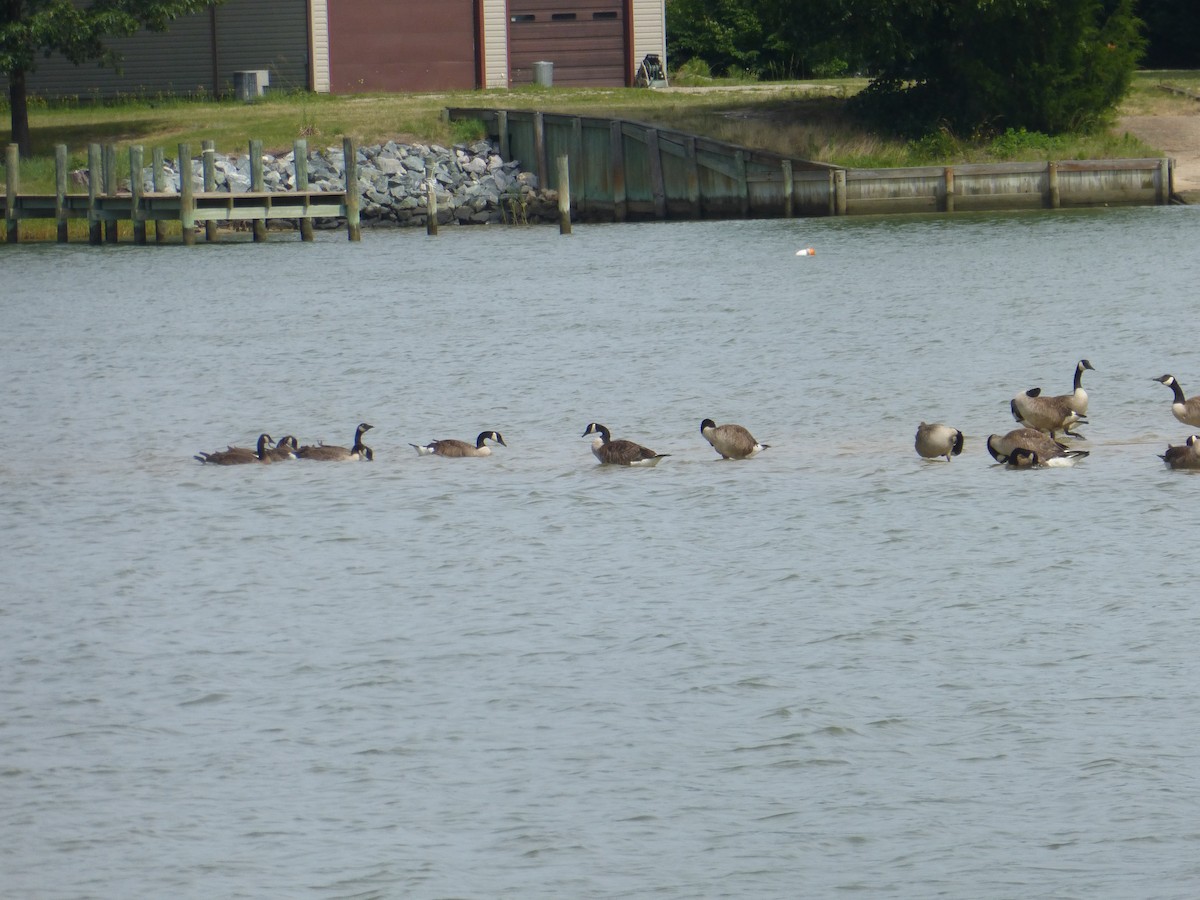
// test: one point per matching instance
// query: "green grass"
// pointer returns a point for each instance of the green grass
(806, 119)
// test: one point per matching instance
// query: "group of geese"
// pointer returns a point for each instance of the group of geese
(287, 447)
(1035, 443)
(730, 441)
(268, 451)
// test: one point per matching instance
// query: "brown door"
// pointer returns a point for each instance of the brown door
(403, 45)
(585, 39)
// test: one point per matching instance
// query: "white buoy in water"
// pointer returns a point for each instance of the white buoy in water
(807, 251)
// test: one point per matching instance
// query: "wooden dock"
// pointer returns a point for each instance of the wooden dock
(103, 206)
(621, 170)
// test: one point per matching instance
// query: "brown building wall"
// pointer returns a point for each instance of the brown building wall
(403, 45)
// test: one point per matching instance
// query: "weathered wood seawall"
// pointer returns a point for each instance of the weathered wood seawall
(103, 206)
(622, 170)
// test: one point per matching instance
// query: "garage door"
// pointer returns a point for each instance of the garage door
(416, 45)
(585, 39)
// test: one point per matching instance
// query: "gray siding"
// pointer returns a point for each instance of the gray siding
(250, 34)
(264, 34)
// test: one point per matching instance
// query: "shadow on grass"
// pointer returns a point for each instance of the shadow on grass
(45, 138)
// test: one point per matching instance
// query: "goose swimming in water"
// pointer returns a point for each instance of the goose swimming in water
(937, 440)
(456, 448)
(234, 456)
(1185, 456)
(620, 452)
(731, 441)
(285, 448)
(1185, 410)
(333, 453)
(1028, 448)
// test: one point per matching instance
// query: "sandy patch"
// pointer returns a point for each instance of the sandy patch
(1177, 137)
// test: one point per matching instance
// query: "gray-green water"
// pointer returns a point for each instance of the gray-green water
(832, 669)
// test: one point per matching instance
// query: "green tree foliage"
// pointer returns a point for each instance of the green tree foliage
(984, 66)
(977, 67)
(765, 38)
(1173, 33)
(726, 34)
(32, 29)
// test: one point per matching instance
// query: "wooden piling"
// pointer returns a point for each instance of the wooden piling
(300, 167)
(257, 186)
(564, 194)
(789, 188)
(187, 196)
(431, 213)
(948, 189)
(743, 184)
(839, 192)
(60, 191)
(502, 131)
(657, 185)
(579, 188)
(160, 187)
(692, 162)
(539, 150)
(1052, 195)
(136, 190)
(109, 189)
(353, 225)
(208, 166)
(12, 181)
(616, 149)
(95, 172)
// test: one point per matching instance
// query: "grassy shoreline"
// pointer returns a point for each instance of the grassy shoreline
(805, 119)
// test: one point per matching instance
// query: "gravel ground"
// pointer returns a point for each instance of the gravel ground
(1178, 137)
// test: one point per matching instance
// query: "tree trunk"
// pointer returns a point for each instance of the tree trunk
(18, 103)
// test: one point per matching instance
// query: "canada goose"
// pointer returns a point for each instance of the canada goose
(1049, 414)
(328, 452)
(285, 448)
(452, 447)
(1186, 411)
(935, 441)
(731, 441)
(1058, 413)
(1185, 456)
(1077, 400)
(234, 456)
(620, 452)
(1022, 458)
(1028, 447)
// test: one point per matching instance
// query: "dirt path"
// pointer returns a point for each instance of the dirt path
(1178, 137)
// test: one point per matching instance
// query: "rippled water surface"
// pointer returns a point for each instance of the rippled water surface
(834, 669)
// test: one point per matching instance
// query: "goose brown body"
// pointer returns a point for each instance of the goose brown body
(731, 441)
(1061, 412)
(235, 456)
(1028, 447)
(285, 448)
(452, 447)
(332, 453)
(1185, 456)
(620, 452)
(1048, 414)
(938, 440)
